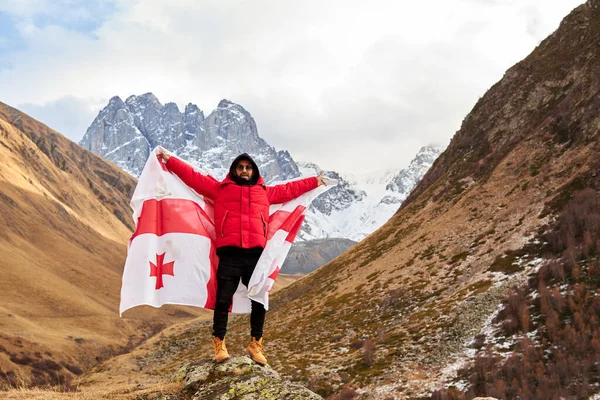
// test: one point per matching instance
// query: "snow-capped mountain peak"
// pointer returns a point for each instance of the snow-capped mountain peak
(369, 199)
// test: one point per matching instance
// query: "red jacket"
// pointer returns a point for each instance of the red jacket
(241, 212)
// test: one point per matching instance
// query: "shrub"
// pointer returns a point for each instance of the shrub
(22, 359)
(368, 350)
(72, 368)
(46, 365)
(578, 223)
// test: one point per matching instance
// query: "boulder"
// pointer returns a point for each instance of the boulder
(238, 378)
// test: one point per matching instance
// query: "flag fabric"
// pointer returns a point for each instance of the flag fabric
(171, 258)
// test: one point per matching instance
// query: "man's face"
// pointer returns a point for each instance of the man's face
(244, 169)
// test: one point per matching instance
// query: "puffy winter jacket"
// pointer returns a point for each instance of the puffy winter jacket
(241, 211)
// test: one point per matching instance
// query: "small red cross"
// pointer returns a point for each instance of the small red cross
(161, 269)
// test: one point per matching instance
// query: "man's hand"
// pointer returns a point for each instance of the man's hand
(163, 155)
(320, 179)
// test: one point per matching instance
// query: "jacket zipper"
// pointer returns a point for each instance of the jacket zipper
(223, 224)
(264, 224)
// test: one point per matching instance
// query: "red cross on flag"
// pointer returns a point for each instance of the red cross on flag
(172, 258)
(160, 268)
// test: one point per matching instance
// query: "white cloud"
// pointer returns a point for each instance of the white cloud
(68, 115)
(345, 84)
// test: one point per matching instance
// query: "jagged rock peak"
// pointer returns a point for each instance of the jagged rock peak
(405, 180)
(115, 100)
(427, 154)
(171, 106)
(125, 133)
(234, 109)
(238, 378)
(192, 109)
(150, 97)
(431, 148)
(228, 104)
(146, 100)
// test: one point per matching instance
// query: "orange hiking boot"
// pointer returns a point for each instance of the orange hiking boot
(221, 353)
(256, 351)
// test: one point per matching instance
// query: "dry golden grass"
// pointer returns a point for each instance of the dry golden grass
(120, 377)
(130, 392)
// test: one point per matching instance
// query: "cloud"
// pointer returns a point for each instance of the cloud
(69, 115)
(339, 83)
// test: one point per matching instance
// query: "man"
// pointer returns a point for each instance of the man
(241, 212)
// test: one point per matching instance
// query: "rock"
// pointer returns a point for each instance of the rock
(238, 378)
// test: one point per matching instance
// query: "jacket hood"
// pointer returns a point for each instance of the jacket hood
(255, 172)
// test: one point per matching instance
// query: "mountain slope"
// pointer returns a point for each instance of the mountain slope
(65, 223)
(421, 287)
(393, 316)
(307, 256)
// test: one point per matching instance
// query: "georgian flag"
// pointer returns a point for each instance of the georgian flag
(171, 258)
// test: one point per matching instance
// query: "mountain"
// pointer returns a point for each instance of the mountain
(362, 203)
(65, 222)
(307, 256)
(125, 132)
(485, 281)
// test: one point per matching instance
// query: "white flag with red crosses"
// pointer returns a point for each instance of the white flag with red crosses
(171, 258)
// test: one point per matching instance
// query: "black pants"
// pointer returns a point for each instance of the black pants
(231, 269)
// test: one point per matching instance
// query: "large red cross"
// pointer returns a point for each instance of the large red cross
(161, 269)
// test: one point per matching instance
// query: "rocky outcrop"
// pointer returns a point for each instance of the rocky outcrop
(406, 179)
(238, 378)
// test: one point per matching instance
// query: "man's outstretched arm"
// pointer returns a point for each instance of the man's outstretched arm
(288, 191)
(206, 185)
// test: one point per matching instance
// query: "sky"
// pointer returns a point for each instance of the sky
(352, 86)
